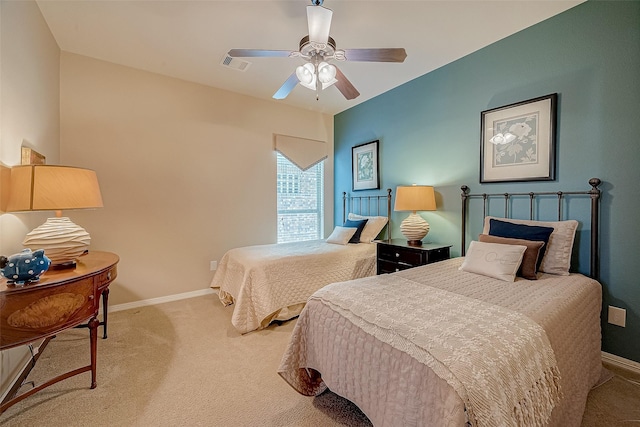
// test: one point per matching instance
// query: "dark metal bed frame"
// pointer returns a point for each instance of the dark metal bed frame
(594, 193)
(368, 202)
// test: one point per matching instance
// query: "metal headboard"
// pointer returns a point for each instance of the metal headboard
(367, 205)
(594, 193)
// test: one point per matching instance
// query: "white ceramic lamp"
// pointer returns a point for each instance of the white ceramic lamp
(55, 188)
(415, 198)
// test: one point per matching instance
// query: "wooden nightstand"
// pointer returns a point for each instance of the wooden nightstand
(397, 255)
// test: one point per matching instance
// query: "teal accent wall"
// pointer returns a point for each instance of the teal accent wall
(429, 132)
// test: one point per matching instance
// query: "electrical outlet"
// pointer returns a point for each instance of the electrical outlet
(213, 265)
(617, 316)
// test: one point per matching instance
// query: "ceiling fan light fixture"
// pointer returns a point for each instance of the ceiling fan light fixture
(319, 21)
(306, 74)
(326, 74)
(327, 84)
(316, 49)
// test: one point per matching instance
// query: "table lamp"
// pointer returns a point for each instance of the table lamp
(415, 198)
(55, 188)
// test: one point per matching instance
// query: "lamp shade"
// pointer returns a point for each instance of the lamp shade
(52, 188)
(55, 188)
(415, 198)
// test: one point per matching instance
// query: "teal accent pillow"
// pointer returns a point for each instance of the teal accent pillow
(358, 225)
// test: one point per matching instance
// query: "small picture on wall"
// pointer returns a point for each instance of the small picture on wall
(31, 157)
(364, 164)
(518, 141)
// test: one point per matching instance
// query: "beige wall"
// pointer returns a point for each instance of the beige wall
(186, 171)
(30, 112)
(30, 115)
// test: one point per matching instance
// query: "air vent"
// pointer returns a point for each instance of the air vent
(235, 63)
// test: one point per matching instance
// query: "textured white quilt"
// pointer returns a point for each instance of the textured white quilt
(269, 282)
(400, 376)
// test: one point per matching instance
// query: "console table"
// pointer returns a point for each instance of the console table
(62, 299)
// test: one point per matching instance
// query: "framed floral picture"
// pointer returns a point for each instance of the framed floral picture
(518, 141)
(364, 165)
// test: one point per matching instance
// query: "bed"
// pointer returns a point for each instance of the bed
(442, 345)
(269, 283)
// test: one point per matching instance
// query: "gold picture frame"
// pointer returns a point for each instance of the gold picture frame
(32, 157)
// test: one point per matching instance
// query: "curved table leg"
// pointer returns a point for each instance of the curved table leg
(93, 336)
(105, 311)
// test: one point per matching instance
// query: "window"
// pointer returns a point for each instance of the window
(300, 201)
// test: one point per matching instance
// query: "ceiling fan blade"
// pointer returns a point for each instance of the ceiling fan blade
(245, 53)
(376, 55)
(319, 20)
(344, 86)
(287, 87)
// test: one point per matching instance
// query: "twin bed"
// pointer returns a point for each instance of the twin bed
(269, 283)
(456, 342)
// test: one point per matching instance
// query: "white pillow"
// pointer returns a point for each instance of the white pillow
(557, 256)
(341, 235)
(372, 228)
(494, 260)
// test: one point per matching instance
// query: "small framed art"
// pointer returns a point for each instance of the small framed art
(31, 157)
(364, 165)
(518, 141)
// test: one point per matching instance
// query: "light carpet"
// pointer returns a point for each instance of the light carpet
(183, 363)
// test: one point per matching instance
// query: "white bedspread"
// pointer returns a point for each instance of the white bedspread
(268, 282)
(339, 345)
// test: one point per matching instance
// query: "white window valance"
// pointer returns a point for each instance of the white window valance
(302, 152)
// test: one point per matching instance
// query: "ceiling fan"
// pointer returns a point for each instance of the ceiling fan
(317, 49)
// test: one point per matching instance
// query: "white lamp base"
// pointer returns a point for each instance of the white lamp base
(414, 228)
(62, 240)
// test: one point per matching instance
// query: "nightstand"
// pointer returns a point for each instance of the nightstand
(396, 255)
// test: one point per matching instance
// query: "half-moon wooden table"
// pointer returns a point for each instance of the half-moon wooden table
(62, 299)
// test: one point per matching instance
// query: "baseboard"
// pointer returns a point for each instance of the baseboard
(17, 378)
(28, 361)
(160, 300)
(621, 362)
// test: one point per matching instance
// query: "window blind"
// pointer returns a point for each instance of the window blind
(302, 152)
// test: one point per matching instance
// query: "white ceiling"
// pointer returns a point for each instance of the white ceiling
(189, 39)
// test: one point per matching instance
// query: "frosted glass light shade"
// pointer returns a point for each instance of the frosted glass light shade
(326, 74)
(319, 21)
(307, 75)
